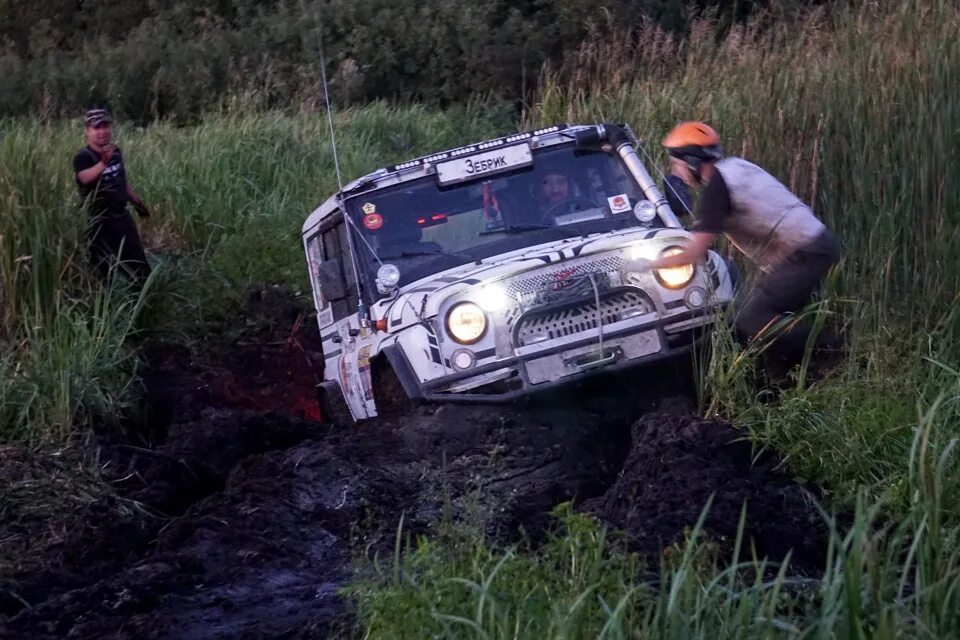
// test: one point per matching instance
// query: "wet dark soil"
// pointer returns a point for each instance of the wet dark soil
(677, 465)
(245, 514)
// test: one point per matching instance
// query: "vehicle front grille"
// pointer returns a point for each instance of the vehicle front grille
(557, 321)
(528, 288)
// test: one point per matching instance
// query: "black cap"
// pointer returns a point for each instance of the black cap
(96, 116)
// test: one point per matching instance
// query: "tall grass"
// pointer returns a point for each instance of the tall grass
(854, 107)
(64, 357)
(235, 189)
(228, 198)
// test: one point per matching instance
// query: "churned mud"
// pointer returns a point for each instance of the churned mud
(678, 464)
(242, 515)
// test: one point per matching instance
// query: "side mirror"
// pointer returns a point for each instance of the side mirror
(330, 279)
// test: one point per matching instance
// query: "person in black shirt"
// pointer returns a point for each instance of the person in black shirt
(769, 224)
(102, 182)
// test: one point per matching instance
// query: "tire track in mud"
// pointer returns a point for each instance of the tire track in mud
(269, 511)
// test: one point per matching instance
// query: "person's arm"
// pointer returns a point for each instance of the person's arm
(92, 174)
(714, 211)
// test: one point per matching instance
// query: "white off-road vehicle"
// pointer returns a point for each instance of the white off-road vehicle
(501, 269)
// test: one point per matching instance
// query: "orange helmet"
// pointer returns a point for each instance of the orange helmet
(693, 141)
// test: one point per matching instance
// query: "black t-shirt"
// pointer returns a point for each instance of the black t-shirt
(714, 206)
(107, 195)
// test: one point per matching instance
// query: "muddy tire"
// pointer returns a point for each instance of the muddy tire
(333, 406)
(391, 398)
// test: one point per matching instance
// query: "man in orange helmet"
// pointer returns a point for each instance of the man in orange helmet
(764, 220)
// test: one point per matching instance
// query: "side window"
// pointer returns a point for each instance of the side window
(332, 275)
(331, 244)
(350, 278)
(315, 258)
(339, 275)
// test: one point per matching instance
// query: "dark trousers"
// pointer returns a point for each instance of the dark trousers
(787, 288)
(114, 239)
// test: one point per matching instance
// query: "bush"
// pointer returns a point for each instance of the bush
(176, 60)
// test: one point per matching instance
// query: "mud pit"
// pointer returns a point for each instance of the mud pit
(261, 511)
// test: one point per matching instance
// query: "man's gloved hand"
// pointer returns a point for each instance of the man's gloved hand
(141, 208)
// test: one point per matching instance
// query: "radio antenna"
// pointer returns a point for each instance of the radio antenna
(361, 307)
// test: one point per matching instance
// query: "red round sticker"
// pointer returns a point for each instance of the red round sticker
(373, 221)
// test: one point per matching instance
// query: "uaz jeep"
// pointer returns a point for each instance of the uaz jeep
(501, 269)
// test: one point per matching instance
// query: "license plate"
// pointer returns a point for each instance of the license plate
(483, 164)
(560, 365)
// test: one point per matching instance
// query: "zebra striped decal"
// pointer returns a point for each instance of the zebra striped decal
(434, 346)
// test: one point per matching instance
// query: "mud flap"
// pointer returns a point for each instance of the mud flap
(401, 368)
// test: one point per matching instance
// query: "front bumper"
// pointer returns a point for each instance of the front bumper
(580, 359)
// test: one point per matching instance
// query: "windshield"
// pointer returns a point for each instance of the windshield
(424, 228)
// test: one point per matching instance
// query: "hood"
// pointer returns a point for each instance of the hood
(422, 299)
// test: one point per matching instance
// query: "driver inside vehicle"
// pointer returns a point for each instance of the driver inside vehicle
(558, 194)
(553, 189)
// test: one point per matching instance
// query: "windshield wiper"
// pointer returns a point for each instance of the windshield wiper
(521, 228)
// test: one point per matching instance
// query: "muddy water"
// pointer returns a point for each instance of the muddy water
(261, 510)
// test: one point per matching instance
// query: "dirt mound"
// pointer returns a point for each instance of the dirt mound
(508, 468)
(676, 464)
(264, 557)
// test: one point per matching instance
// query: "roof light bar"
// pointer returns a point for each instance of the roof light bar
(489, 144)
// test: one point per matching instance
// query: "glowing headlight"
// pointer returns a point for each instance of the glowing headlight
(388, 277)
(643, 251)
(466, 322)
(674, 277)
(492, 298)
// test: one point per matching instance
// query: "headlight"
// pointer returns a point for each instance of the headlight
(674, 277)
(466, 322)
(492, 297)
